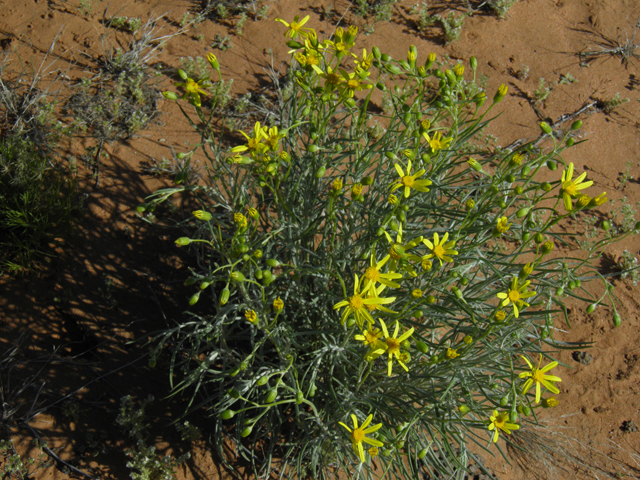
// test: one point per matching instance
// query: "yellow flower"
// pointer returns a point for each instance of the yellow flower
(240, 220)
(550, 402)
(598, 200)
(417, 293)
(409, 181)
(251, 316)
(571, 188)
(357, 305)
(393, 200)
(502, 226)
(371, 338)
(458, 70)
(356, 190)
(437, 142)
(501, 315)
(451, 353)
(426, 264)
(193, 90)
(499, 421)
(440, 249)
(373, 275)
(336, 186)
(373, 451)
(278, 304)
(364, 64)
(538, 376)
(351, 83)
(515, 295)
(398, 251)
(331, 78)
(272, 137)
(358, 435)
(394, 343)
(254, 144)
(295, 27)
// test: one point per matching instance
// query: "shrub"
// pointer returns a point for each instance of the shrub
(39, 200)
(389, 286)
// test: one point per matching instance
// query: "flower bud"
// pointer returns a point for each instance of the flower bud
(233, 393)
(422, 453)
(213, 61)
(550, 402)
(576, 125)
(237, 276)
(182, 74)
(320, 172)
(617, 319)
(202, 215)
(547, 247)
(500, 94)
(194, 299)
(170, 95)
(546, 128)
(422, 347)
(224, 296)
(367, 181)
(479, 99)
(473, 62)
(246, 432)
(422, 71)
(376, 53)
(227, 414)
(431, 58)
(474, 164)
(522, 212)
(299, 397)
(591, 308)
(271, 396)
(463, 409)
(182, 241)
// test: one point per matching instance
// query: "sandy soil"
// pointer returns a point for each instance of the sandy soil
(119, 279)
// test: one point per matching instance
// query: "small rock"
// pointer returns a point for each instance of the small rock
(628, 426)
(582, 357)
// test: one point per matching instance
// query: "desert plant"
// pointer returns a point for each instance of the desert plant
(39, 200)
(395, 289)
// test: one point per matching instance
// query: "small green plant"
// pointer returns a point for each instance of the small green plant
(381, 10)
(523, 73)
(609, 105)
(543, 91)
(567, 79)
(221, 43)
(500, 7)
(376, 298)
(451, 24)
(128, 24)
(17, 467)
(145, 463)
(625, 176)
(240, 23)
(85, 7)
(628, 264)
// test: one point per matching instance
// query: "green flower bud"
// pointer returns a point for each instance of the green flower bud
(513, 417)
(526, 236)
(570, 142)
(605, 225)
(473, 62)
(422, 453)
(617, 319)
(182, 241)
(376, 53)
(385, 57)
(430, 299)
(170, 95)
(576, 125)
(504, 401)
(560, 291)
(246, 432)
(194, 299)
(299, 397)
(591, 308)
(463, 409)
(546, 247)
(233, 393)
(546, 128)
(237, 276)
(572, 285)
(422, 72)
(320, 172)
(539, 238)
(522, 212)
(422, 347)
(367, 181)
(271, 396)
(551, 165)
(262, 380)
(227, 414)
(547, 187)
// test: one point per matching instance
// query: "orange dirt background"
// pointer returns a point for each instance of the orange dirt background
(118, 279)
